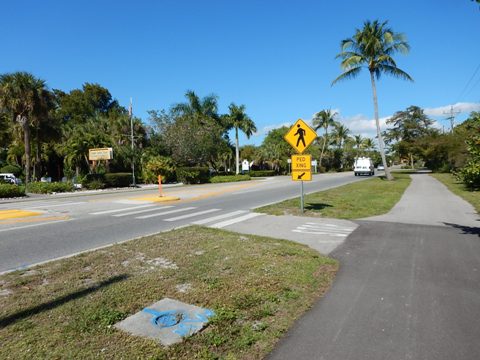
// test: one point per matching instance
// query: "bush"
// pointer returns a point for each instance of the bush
(94, 181)
(261, 173)
(118, 179)
(10, 190)
(470, 175)
(193, 175)
(48, 188)
(14, 169)
(159, 165)
(229, 178)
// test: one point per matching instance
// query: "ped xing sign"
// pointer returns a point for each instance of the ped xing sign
(302, 162)
(300, 136)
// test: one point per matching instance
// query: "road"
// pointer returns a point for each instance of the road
(58, 226)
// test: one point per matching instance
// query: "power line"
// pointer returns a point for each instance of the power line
(468, 83)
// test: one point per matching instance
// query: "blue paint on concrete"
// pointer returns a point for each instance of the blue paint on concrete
(183, 323)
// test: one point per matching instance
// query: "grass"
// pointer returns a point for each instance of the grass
(458, 188)
(371, 197)
(257, 286)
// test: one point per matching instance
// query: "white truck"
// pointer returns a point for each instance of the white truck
(363, 166)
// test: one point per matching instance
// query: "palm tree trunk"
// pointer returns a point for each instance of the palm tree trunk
(26, 139)
(237, 153)
(379, 134)
(323, 149)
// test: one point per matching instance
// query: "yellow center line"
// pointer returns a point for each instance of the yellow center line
(14, 214)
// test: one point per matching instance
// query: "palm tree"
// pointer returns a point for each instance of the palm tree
(368, 144)
(323, 119)
(239, 120)
(340, 134)
(198, 109)
(23, 96)
(372, 47)
(358, 141)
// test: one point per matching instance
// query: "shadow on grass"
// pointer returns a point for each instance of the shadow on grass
(466, 229)
(57, 302)
(316, 206)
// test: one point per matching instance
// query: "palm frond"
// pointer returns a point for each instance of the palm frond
(394, 71)
(349, 74)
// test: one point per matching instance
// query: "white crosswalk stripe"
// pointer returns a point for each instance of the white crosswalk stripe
(120, 210)
(165, 213)
(57, 205)
(141, 211)
(181, 217)
(218, 217)
(235, 220)
(324, 229)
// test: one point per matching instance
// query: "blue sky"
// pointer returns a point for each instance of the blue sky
(276, 57)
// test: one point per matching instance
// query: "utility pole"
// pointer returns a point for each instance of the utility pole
(451, 117)
(130, 112)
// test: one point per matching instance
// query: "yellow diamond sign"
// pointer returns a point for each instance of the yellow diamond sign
(300, 136)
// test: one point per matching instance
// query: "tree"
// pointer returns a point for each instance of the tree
(373, 47)
(323, 119)
(238, 119)
(23, 96)
(407, 128)
(340, 134)
(359, 142)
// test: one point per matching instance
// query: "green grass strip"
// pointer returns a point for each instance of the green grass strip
(362, 199)
(257, 287)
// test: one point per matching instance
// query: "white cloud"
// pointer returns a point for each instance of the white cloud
(458, 108)
(266, 129)
(360, 124)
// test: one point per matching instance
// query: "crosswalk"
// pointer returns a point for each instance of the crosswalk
(170, 213)
(324, 229)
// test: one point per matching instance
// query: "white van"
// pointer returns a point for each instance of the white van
(363, 166)
(9, 178)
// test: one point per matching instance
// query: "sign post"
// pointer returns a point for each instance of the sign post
(300, 136)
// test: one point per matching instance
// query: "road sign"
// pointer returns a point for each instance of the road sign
(100, 154)
(301, 162)
(300, 136)
(301, 175)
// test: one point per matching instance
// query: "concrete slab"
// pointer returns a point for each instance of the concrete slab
(323, 235)
(167, 321)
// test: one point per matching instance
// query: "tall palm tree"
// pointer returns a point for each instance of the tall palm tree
(372, 47)
(323, 119)
(368, 144)
(23, 96)
(239, 120)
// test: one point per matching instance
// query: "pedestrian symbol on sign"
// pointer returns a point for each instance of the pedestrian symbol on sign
(301, 135)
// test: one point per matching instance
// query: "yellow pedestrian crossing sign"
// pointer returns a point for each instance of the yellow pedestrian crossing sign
(301, 175)
(300, 136)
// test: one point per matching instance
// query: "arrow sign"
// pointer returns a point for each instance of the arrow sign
(300, 176)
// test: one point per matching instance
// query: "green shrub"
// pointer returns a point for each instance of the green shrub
(470, 175)
(159, 165)
(118, 179)
(193, 175)
(94, 181)
(10, 190)
(229, 178)
(13, 169)
(48, 188)
(261, 173)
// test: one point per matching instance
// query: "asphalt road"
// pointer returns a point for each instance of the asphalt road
(72, 224)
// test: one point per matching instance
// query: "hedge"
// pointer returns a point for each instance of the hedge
(10, 190)
(12, 169)
(94, 181)
(48, 188)
(193, 175)
(261, 173)
(118, 179)
(229, 178)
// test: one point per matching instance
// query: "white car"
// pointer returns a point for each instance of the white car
(380, 168)
(363, 166)
(10, 178)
